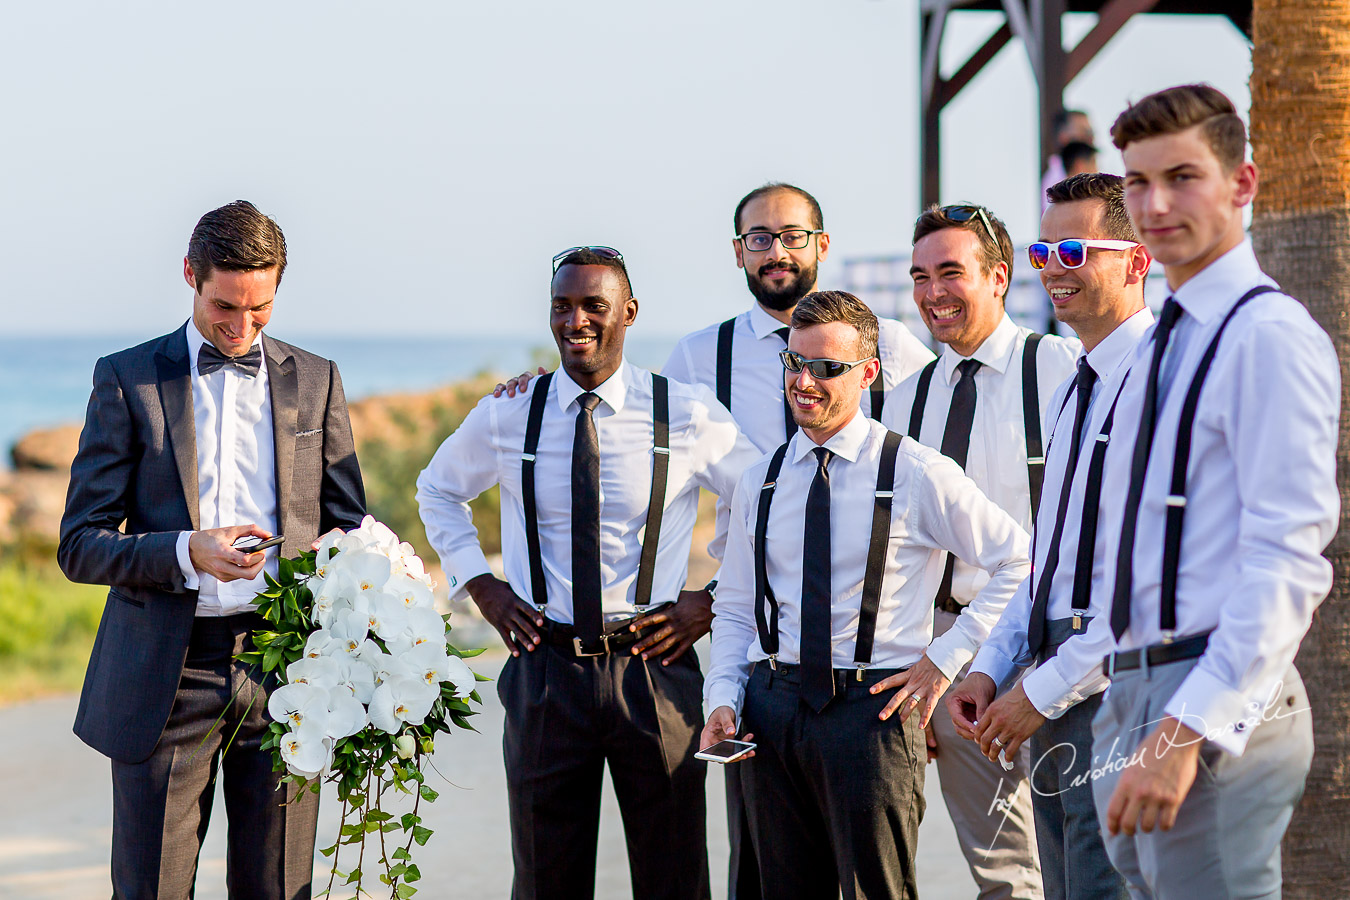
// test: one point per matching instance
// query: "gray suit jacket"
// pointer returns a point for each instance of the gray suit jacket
(133, 488)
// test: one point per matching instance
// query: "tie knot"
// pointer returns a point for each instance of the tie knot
(968, 367)
(783, 333)
(1171, 311)
(1086, 374)
(209, 360)
(588, 401)
(823, 457)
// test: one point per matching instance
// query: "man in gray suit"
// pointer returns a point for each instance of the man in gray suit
(192, 441)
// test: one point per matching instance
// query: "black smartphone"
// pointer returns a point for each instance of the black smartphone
(251, 543)
(725, 751)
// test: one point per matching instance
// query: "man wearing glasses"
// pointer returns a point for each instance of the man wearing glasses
(779, 242)
(600, 471)
(981, 403)
(824, 607)
(1093, 268)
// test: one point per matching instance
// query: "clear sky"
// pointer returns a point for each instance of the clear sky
(426, 159)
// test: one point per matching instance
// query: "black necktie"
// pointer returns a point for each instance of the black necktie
(1143, 445)
(817, 652)
(789, 423)
(209, 359)
(1041, 601)
(956, 446)
(586, 523)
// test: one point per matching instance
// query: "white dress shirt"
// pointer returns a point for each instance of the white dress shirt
(706, 450)
(1262, 501)
(236, 471)
(757, 371)
(1006, 649)
(936, 508)
(997, 460)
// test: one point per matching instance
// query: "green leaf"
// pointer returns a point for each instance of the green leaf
(328, 851)
(377, 815)
(402, 853)
(354, 875)
(414, 874)
(428, 794)
(421, 835)
(470, 654)
(396, 871)
(405, 891)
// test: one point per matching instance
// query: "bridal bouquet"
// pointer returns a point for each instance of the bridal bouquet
(368, 681)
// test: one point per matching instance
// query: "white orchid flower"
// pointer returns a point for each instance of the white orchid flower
(356, 676)
(412, 592)
(321, 643)
(390, 668)
(370, 571)
(399, 702)
(429, 663)
(321, 671)
(346, 714)
(331, 596)
(350, 628)
(458, 673)
(388, 617)
(299, 705)
(307, 751)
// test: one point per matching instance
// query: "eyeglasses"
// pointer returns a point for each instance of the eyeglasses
(964, 212)
(823, 369)
(606, 252)
(792, 239)
(1071, 253)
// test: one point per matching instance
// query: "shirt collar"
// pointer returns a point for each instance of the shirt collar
(763, 324)
(612, 391)
(847, 442)
(195, 343)
(996, 352)
(1215, 289)
(1107, 356)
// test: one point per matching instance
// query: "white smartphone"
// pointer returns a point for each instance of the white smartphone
(725, 751)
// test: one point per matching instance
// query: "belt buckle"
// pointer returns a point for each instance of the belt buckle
(580, 651)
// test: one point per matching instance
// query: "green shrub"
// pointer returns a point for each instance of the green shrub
(49, 626)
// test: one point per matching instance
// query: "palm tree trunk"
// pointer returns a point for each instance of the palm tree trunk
(1301, 229)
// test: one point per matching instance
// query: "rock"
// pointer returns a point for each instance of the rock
(46, 450)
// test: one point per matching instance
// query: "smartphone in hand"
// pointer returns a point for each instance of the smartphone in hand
(725, 751)
(251, 543)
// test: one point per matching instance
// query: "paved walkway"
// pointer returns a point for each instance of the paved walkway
(55, 826)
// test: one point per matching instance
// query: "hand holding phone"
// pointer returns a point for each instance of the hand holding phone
(251, 543)
(726, 751)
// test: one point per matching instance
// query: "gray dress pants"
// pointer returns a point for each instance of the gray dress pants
(1226, 841)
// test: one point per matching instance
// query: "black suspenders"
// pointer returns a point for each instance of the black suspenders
(1031, 415)
(767, 624)
(1176, 498)
(727, 329)
(642, 596)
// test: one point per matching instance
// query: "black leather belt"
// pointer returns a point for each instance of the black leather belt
(1158, 654)
(616, 635)
(791, 673)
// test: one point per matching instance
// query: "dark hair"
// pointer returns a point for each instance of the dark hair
(817, 220)
(1109, 189)
(824, 307)
(994, 249)
(1074, 151)
(1062, 118)
(585, 257)
(236, 238)
(1179, 108)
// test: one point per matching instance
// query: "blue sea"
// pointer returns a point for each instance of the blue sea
(45, 381)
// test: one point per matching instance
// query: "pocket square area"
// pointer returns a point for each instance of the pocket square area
(301, 434)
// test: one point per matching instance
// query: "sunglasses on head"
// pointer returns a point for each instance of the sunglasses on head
(964, 212)
(822, 369)
(606, 252)
(1072, 253)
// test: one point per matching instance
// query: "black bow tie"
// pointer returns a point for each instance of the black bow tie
(209, 359)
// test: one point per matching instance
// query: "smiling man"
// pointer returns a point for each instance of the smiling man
(1219, 495)
(1093, 267)
(981, 403)
(819, 640)
(193, 440)
(600, 469)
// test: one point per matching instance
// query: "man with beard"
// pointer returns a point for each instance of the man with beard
(583, 579)
(981, 403)
(814, 635)
(780, 240)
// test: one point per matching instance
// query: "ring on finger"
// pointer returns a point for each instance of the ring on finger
(513, 637)
(998, 742)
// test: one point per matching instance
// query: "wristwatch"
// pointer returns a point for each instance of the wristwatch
(711, 588)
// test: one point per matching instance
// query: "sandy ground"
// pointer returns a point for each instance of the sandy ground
(55, 829)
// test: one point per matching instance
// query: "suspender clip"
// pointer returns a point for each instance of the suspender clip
(540, 607)
(1104, 437)
(527, 457)
(1078, 619)
(1178, 500)
(773, 661)
(663, 450)
(885, 495)
(861, 667)
(1168, 636)
(1035, 460)
(768, 485)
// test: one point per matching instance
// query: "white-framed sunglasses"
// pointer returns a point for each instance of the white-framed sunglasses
(1072, 253)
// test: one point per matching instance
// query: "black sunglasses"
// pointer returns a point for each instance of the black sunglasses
(606, 252)
(822, 369)
(964, 212)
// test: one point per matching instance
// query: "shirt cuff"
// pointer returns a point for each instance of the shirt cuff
(464, 566)
(951, 651)
(993, 662)
(1047, 690)
(191, 580)
(724, 693)
(1205, 704)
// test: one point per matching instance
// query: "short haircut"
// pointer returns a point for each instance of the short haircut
(824, 307)
(1109, 189)
(1075, 151)
(235, 238)
(1179, 108)
(1061, 119)
(817, 220)
(586, 257)
(994, 249)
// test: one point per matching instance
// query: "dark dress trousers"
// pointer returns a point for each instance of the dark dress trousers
(159, 677)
